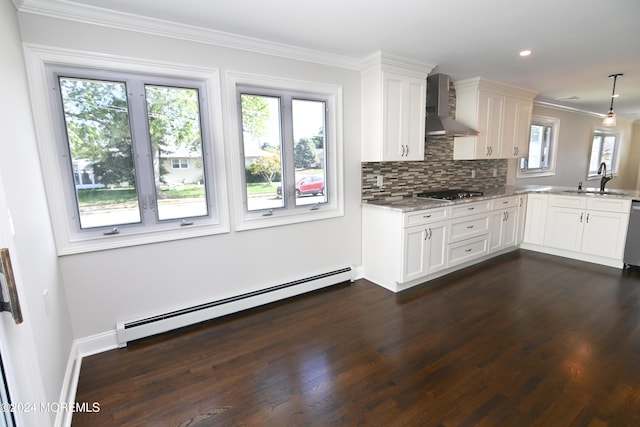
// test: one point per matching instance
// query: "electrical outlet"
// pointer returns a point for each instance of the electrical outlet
(473, 173)
(379, 180)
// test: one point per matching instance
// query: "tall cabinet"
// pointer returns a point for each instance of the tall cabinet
(502, 115)
(394, 94)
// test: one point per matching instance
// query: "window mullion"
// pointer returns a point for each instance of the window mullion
(143, 158)
(287, 152)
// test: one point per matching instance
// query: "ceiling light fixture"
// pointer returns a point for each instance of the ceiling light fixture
(610, 118)
(525, 52)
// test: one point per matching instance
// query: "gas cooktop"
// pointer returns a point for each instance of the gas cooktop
(450, 194)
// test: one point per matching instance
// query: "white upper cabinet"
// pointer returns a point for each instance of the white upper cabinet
(393, 108)
(502, 115)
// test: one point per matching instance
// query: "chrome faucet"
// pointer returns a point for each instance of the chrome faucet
(602, 170)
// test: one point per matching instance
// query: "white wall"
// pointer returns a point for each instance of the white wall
(38, 348)
(574, 145)
(123, 284)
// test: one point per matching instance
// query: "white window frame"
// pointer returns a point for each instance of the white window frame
(68, 238)
(615, 155)
(554, 123)
(334, 207)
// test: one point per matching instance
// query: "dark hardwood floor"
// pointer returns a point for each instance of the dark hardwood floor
(523, 340)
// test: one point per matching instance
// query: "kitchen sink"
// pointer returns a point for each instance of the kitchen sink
(604, 193)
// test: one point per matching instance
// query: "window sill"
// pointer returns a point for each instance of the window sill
(136, 238)
(521, 175)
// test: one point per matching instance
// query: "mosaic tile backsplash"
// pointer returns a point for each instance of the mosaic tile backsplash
(437, 171)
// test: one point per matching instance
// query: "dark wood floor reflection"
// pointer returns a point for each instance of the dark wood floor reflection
(523, 340)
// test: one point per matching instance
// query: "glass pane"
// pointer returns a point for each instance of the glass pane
(176, 143)
(262, 139)
(546, 148)
(594, 159)
(308, 151)
(535, 146)
(608, 147)
(99, 137)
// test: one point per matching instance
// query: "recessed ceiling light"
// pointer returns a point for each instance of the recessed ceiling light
(525, 52)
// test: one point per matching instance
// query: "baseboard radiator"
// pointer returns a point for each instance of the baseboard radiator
(153, 325)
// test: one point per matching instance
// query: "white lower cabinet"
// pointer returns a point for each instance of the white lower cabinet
(424, 250)
(594, 226)
(504, 223)
(399, 249)
(536, 219)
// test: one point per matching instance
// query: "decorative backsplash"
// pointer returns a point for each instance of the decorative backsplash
(437, 171)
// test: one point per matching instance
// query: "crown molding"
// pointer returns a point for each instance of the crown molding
(62, 9)
(555, 106)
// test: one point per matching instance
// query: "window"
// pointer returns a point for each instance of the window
(603, 150)
(134, 159)
(542, 148)
(287, 168)
(180, 163)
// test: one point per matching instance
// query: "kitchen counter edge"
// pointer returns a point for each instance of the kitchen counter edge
(410, 204)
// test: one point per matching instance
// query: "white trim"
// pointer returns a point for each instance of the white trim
(158, 27)
(80, 349)
(555, 106)
(335, 204)
(67, 241)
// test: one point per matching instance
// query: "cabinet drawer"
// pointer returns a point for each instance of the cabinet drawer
(463, 209)
(426, 216)
(575, 202)
(608, 205)
(504, 203)
(469, 226)
(467, 250)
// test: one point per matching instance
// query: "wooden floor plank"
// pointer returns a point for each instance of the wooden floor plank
(524, 340)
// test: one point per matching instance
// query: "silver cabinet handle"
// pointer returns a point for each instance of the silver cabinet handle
(587, 218)
(468, 250)
(581, 216)
(469, 226)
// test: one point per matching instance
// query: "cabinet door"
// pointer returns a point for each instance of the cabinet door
(414, 116)
(490, 113)
(536, 219)
(564, 228)
(510, 228)
(504, 226)
(414, 257)
(497, 230)
(522, 213)
(392, 100)
(436, 247)
(404, 101)
(516, 128)
(605, 234)
(523, 128)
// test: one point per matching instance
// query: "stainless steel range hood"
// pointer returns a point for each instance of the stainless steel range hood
(439, 122)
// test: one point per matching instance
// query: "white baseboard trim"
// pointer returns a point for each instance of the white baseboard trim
(80, 348)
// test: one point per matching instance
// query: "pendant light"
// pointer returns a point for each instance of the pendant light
(610, 118)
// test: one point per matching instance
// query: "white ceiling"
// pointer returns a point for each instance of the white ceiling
(576, 44)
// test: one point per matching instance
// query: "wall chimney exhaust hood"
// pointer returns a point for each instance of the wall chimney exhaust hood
(439, 122)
